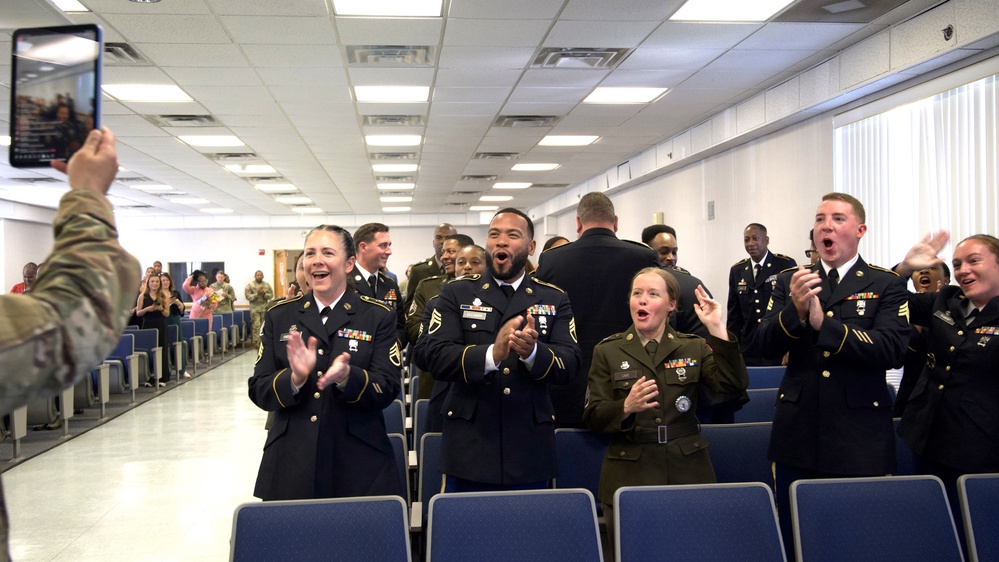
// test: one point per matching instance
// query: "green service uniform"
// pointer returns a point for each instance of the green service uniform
(227, 295)
(258, 304)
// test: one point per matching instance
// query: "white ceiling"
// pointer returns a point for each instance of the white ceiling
(275, 74)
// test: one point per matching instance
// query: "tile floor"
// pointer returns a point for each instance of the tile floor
(158, 483)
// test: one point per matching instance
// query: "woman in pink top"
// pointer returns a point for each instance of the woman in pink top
(196, 285)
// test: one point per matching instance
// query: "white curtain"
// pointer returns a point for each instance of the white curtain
(924, 166)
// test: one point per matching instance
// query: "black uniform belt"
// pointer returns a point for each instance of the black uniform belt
(665, 433)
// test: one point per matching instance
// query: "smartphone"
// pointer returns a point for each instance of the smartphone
(55, 99)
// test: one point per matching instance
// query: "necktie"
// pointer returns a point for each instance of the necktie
(373, 281)
(970, 317)
(756, 271)
(324, 314)
(507, 290)
(652, 347)
(833, 279)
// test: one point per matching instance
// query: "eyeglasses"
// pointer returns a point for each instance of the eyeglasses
(808, 253)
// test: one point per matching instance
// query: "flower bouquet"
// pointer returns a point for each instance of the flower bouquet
(209, 300)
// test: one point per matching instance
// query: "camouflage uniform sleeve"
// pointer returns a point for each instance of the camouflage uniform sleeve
(74, 315)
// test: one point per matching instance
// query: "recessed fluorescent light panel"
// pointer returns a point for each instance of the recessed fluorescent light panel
(511, 185)
(70, 6)
(389, 168)
(276, 187)
(729, 10)
(251, 169)
(293, 199)
(624, 95)
(388, 8)
(211, 140)
(392, 94)
(534, 167)
(216, 210)
(396, 199)
(396, 209)
(568, 140)
(393, 140)
(395, 186)
(307, 209)
(483, 208)
(495, 198)
(146, 92)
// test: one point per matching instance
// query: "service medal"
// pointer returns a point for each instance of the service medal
(625, 365)
(681, 374)
(682, 404)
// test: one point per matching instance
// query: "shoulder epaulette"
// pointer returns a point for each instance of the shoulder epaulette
(432, 277)
(546, 284)
(680, 269)
(556, 247)
(473, 277)
(642, 244)
(370, 300)
(792, 268)
(882, 269)
(286, 301)
(612, 337)
(742, 261)
(782, 256)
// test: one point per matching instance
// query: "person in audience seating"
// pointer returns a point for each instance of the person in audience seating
(374, 247)
(643, 388)
(153, 307)
(222, 288)
(177, 308)
(430, 266)
(79, 305)
(328, 364)
(202, 297)
(28, 274)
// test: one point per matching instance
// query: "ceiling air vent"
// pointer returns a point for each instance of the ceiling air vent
(580, 58)
(484, 177)
(401, 179)
(183, 120)
(123, 54)
(131, 179)
(518, 121)
(38, 180)
(391, 55)
(395, 120)
(465, 193)
(233, 156)
(549, 185)
(455, 204)
(392, 155)
(496, 155)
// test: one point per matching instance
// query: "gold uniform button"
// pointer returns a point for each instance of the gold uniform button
(875, 403)
(506, 392)
(506, 370)
(659, 421)
(940, 387)
(826, 354)
(474, 326)
(450, 413)
(947, 368)
(757, 311)
(826, 374)
(620, 453)
(782, 396)
(759, 320)
(952, 349)
(321, 352)
(829, 314)
(317, 395)
(960, 332)
(313, 419)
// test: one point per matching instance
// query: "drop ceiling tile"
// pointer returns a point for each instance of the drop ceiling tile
(276, 76)
(685, 35)
(193, 7)
(490, 108)
(653, 58)
(453, 56)
(508, 9)
(549, 95)
(466, 95)
(562, 78)
(295, 56)
(271, 30)
(213, 55)
(271, 120)
(193, 76)
(799, 36)
(111, 35)
(771, 62)
(328, 93)
(153, 108)
(529, 108)
(735, 79)
(268, 7)
(463, 78)
(254, 106)
(393, 108)
(633, 10)
(226, 93)
(135, 75)
(613, 34)
(646, 78)
(391, 76)
(169, 28)
(495, 33)
(389, 31)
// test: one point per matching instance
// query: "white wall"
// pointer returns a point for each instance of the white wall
(22, 242)
(239, 248)
(777, 180)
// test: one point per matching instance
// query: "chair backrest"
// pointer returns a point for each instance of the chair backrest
(880, 518)
(697, 522)
(579, 456)
(420, 420)
(760, 407)
(146, 339)
(739, 452)
(398, 441)
(395, 416)
(187, 328)
(173, 333)
(218, 324)
(125, 347)
(536, 525)
(429, 481)
(227, 319)
(979, 495)
(905, 460)
(131, 327)
(200, 326)
(765, 377)
(356, 529)
(414, 385)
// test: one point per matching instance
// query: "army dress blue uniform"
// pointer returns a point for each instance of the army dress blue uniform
(952, 417)
(331, 442)
(833, 412)
(747, 300)
(388, 293)
(499, 426)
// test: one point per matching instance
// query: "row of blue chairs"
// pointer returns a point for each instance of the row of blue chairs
(893, 518)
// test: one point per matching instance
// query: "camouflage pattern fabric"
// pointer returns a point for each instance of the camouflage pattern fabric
(226, 295)
(258, 303)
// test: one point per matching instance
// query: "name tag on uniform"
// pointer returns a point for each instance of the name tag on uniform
(284, 337)
(626, 375)
(945, 317)
(473, 314)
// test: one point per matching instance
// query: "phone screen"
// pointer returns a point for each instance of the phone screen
(55, 100)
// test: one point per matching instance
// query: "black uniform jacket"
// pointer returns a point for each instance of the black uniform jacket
(499, 427)
(661, 445)
(418, 272)
(340, 429)
(748, 298)
(596, 271)
(833, 409)
(952, 416)
(388, 293)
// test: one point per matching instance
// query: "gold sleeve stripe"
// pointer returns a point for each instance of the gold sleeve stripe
(904, 311)
(363, 388)
(846, 332)
(274, 386)
(770, 304)
(863, 337)
(780, 318)
(549, 369)
(463, 373)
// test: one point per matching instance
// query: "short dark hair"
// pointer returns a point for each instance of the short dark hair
(595, 207)
(811, 236)
(650, 232)
(858, 207)
(345, 238)
(762, 228)
(366, 233)
(946, 271)
(463, 239)
(519, 213)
